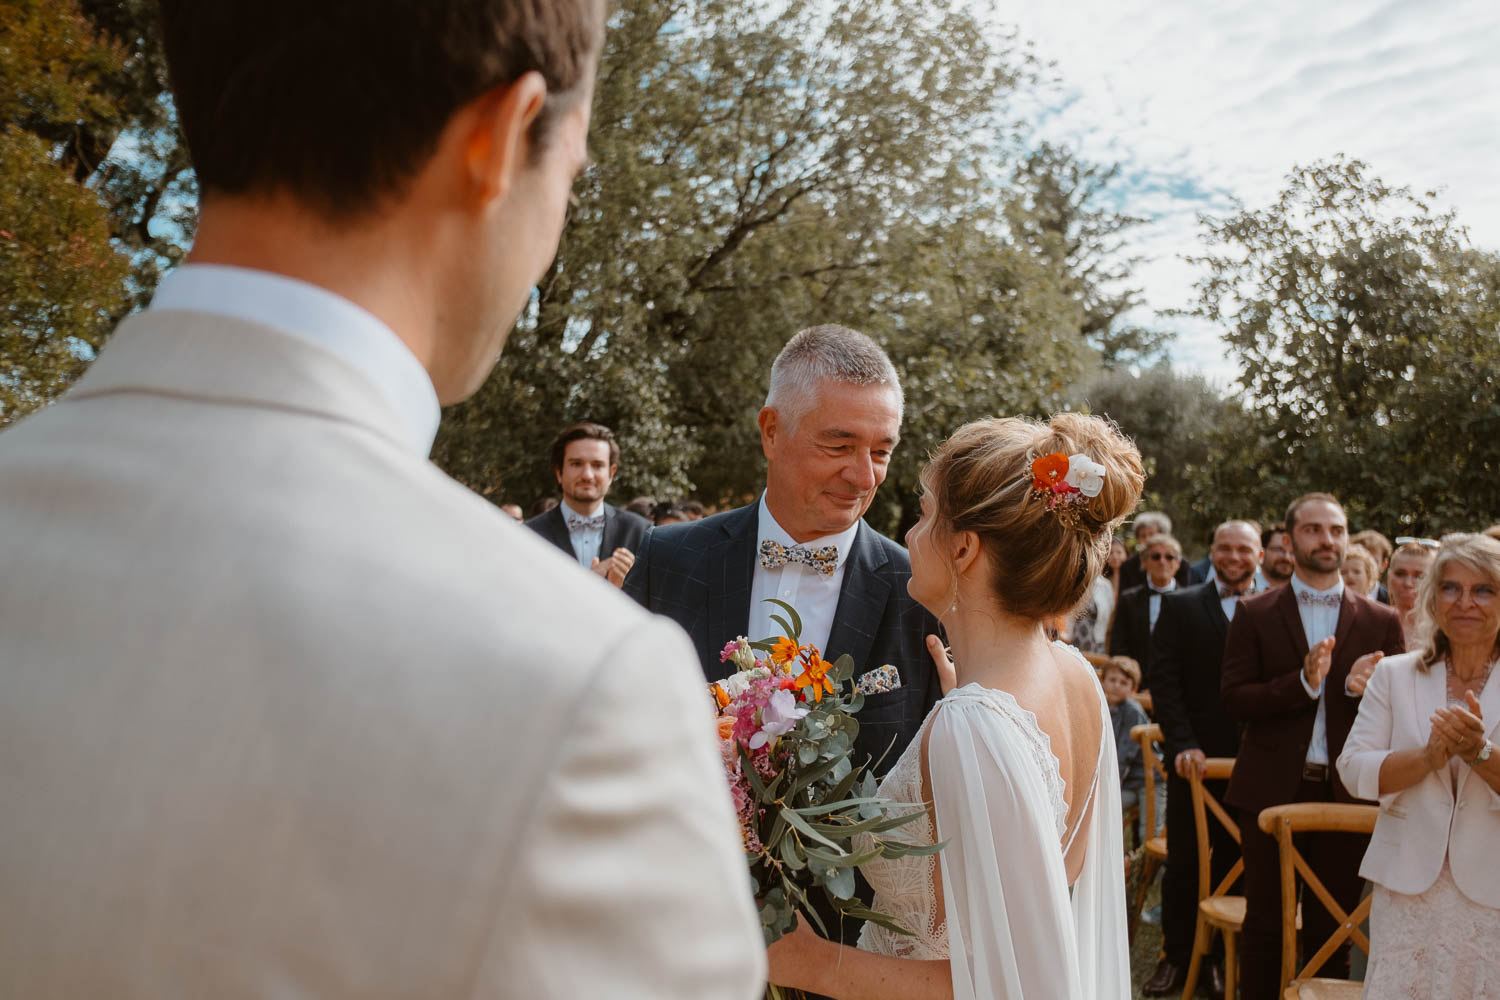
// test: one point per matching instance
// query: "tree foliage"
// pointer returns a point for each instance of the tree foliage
(758, 171)
(1367, 332)
(1173, 418)
(61, 279)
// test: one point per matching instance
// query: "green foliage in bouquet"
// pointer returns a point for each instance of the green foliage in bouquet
(810, 816)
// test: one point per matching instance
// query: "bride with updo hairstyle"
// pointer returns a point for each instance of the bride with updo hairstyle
(1016, 764)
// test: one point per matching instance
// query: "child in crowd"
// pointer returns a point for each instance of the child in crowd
(1121, 677)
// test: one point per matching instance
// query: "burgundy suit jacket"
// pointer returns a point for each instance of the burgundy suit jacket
(1262, 688)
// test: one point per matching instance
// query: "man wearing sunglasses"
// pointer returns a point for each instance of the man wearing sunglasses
(1139, 607)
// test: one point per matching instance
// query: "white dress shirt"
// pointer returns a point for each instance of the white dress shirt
(815, 597)
(1154, 602)
(586, 542)
(318, 316)
(1318, 623)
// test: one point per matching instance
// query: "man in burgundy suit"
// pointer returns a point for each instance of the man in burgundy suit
(1296, 661)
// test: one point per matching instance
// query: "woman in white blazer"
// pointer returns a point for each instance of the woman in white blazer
(1422, 745)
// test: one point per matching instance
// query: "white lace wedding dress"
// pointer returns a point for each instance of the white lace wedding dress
(1010, 925)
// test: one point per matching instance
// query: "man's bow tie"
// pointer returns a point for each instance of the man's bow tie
(1309, 599)
(577, 524)
(823, 560)
(1226, 592)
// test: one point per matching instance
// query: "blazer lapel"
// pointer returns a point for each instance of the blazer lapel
(1489, 703)
(1348, 616)
(557, 531)
(1429, 693)
(731, 567)
(607, 541)
(1286, 605)
(862, 600)
(1489, 708)
(1214, 608)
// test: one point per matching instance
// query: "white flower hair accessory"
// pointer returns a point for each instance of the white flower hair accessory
(1066, 483)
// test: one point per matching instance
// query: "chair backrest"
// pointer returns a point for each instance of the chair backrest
(1282, 822)
(1146, 734)
(1206, 807)
(1147, 703)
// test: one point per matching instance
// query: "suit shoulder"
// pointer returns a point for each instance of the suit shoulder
(1262, 603)
(1133, 593)
(1184, 595)
(894, 550)
(538, 522)
(631, 518)
(1370, 606)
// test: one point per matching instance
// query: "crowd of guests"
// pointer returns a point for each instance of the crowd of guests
(1306, 653)
(1333, 667)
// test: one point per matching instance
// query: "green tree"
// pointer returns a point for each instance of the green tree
(1174, 419)
(1365, 327)
(61, 279)
(759, 171)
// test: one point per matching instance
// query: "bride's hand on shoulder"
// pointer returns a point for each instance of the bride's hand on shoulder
(947, 675)
(796, 958)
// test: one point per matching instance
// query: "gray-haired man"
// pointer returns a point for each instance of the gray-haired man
(831, 420)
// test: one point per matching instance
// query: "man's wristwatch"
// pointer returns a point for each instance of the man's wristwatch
(1483, 754)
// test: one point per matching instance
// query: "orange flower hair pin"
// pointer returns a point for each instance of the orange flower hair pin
(1066, 482)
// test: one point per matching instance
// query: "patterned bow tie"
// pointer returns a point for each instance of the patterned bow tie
(1226, 592)
(1311, 600)
(577, 524)
(823, 560)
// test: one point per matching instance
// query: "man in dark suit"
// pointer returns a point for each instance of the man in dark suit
(831, 420)
(601, 537)
(1295, 666)
(1133, 570)
(1136, 613)
(1187, 650)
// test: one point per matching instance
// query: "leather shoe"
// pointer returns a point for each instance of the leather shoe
(1216, 980)
(1167, 980)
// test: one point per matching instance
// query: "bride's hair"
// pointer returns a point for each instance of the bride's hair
(1045, 560)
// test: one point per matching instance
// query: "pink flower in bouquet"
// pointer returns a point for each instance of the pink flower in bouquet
(777, 718)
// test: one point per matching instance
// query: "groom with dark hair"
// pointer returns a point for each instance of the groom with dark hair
(831, 421)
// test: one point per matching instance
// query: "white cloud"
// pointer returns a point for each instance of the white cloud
(1203, 102)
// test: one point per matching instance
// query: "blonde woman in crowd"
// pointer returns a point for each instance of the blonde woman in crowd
(1423, 745)
(1412, 558)
(1361, 570)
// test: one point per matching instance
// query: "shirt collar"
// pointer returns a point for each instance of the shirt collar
(1171, 586)
(1303, 588)
(319, 316)
(769, 528)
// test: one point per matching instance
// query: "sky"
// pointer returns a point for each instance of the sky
(1203, 103)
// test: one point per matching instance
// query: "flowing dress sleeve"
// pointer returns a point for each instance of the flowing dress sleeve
(1013, 930)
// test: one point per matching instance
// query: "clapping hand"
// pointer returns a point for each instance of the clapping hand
(1315, 665)
(1459, 728)
(615, 568)
(1359, 674)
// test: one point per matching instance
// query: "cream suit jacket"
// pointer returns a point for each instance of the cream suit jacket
(1419, 825)
(285, 712)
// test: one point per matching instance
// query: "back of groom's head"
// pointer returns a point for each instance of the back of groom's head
(339, 104)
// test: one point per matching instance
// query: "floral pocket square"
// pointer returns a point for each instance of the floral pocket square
(879, 680)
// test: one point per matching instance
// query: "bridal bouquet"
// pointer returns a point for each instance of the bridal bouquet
(808, 816)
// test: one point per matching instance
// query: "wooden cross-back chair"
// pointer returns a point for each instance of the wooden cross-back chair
(1154, 853)
(1282, 822)
(1219, 912)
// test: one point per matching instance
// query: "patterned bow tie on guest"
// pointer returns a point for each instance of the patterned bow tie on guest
(823, 560)
(577, 524)
(1319, 600)
(1226, 592)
